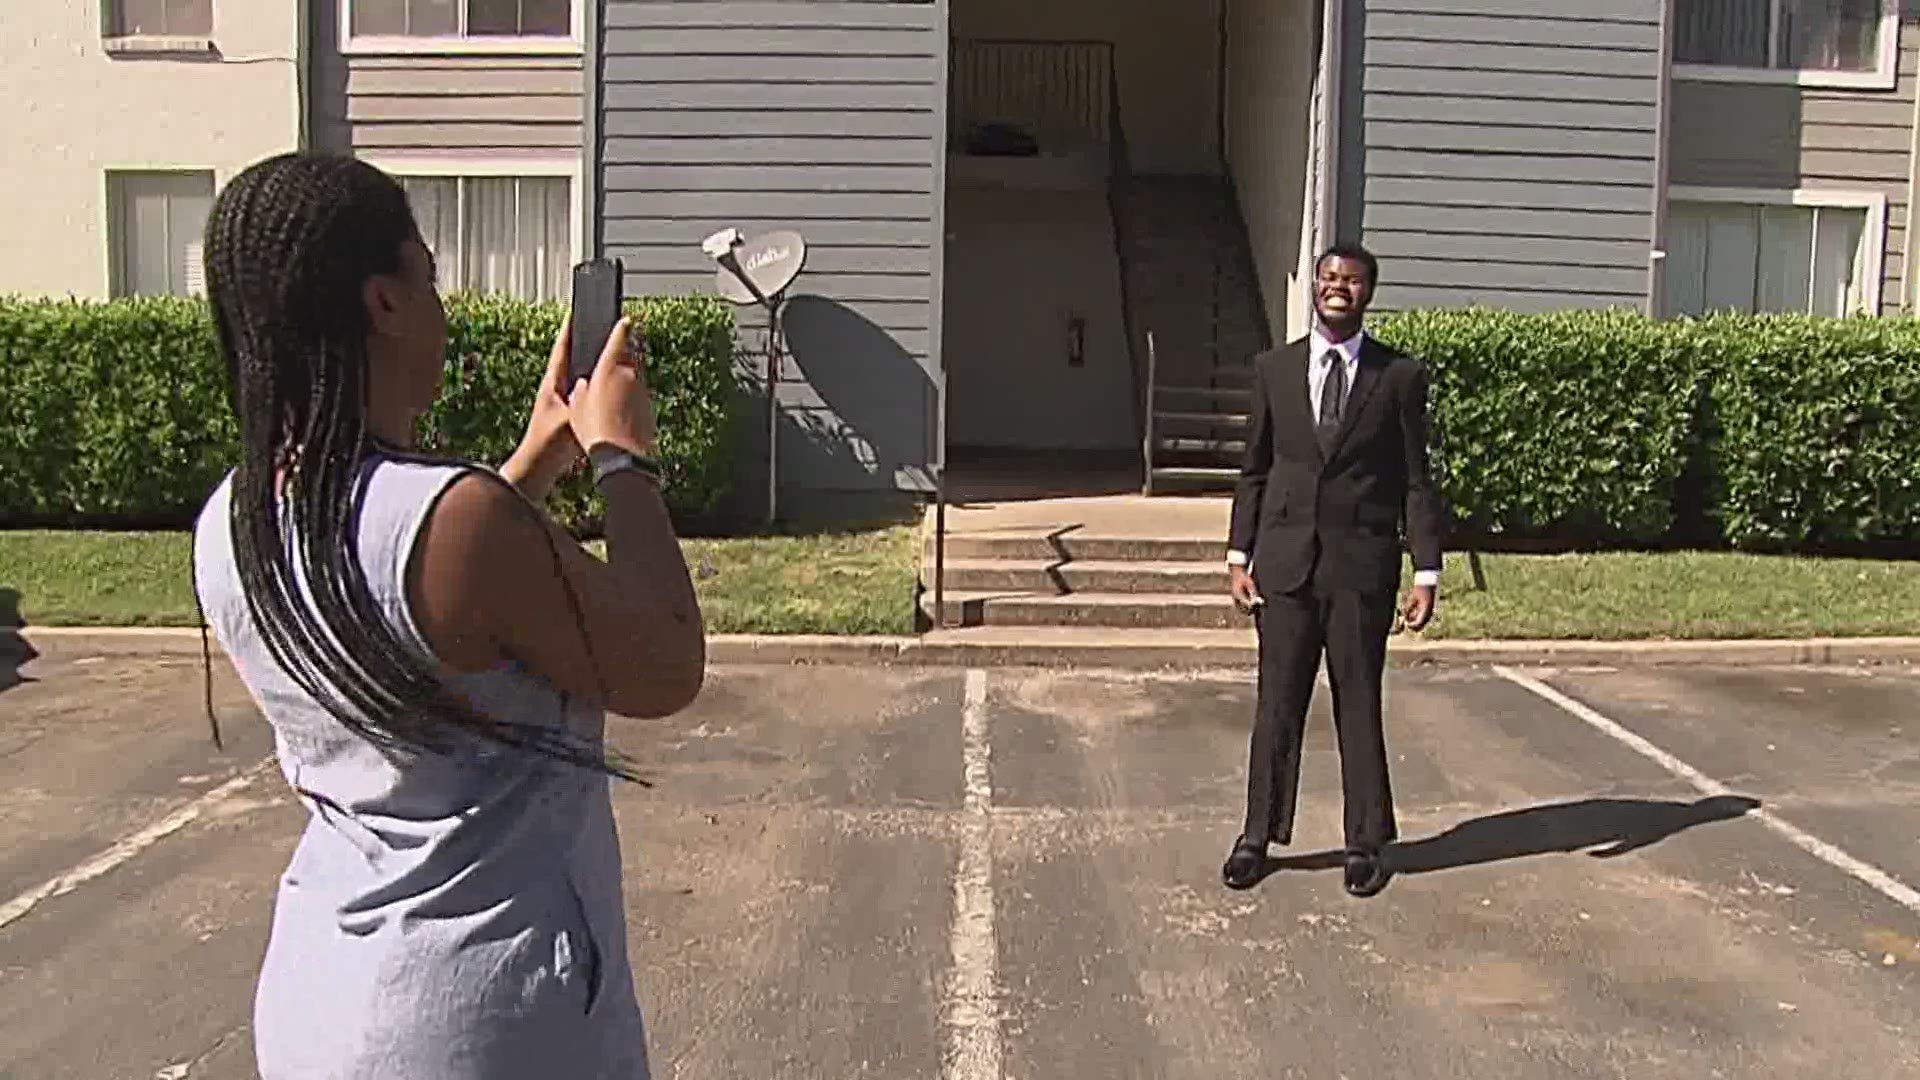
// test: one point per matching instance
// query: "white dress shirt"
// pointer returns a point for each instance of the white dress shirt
(1323, 351)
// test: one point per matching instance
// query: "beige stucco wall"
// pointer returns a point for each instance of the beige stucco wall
(73, 112)
(1271, 58)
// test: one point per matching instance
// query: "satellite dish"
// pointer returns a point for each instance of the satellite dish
(767, 264)
(758, 271)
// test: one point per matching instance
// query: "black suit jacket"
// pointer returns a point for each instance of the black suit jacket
(1291, 505)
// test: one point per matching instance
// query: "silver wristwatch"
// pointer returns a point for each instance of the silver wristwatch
(608, 459)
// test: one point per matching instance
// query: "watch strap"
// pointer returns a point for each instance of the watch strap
(608, 459)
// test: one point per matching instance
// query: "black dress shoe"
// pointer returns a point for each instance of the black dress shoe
(1366, 873)
(1245, 865)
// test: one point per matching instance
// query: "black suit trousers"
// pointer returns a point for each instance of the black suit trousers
(1295, 629)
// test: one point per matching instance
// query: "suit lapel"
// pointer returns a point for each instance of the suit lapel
(1295, 400)
(1365, 379)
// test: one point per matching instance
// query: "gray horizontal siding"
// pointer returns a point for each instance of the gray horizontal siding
(823, 116)
(1780, 137)
(1503, 152)
(824, 237)
(777, 181)
(490, 107)
(764, 96)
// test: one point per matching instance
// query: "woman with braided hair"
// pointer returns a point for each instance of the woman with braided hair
(434, 655)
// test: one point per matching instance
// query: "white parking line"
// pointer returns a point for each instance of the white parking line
(127, 847)
(972, 1008)
(1872, 876)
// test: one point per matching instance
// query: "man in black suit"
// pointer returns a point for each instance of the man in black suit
(1335, 466)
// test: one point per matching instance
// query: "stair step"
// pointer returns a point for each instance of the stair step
(1189, 476)
(1186, 445)
(1030, 546)
(1237, 394)
(1055, 578)
(1110, 610)
(1215, 419)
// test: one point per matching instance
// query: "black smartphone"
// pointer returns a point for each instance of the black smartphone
(598, 296)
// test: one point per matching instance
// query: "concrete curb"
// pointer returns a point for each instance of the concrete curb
(1170, 651)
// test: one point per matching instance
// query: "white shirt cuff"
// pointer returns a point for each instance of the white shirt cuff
(1236, 557)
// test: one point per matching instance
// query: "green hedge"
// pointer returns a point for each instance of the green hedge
(116, 412)
(497, 351)
(1814, 429)
(1766, 431)
(1759, 431)
(1572, 423)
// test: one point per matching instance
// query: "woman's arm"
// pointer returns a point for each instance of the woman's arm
(496, 579)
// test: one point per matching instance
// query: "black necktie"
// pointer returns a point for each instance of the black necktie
(1333, 388)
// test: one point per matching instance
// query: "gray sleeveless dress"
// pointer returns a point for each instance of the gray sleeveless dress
(453, 917)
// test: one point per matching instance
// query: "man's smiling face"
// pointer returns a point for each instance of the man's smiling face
(1342, 288)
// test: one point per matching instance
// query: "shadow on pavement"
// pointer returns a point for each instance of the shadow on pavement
(14, 650)
(1604, 828)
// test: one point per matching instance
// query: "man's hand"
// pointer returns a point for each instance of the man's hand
(1240, 586)
(1418, 609)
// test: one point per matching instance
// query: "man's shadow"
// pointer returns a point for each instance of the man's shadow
(15, 653)
(1604, 828)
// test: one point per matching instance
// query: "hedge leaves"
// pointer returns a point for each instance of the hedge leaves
(116, 413)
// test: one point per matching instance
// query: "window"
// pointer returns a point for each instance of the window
(154, 228)
(436, 23)
(1839, 42)
(497, 234)
(1810, 252)
(160, 18)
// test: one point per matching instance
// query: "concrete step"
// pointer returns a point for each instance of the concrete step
(1120, 611)
(1188, 479)
(1210, 419)
(1052, 577)
(1094, 647)
(1202, 396)
(1028, 546)
(1218, 448)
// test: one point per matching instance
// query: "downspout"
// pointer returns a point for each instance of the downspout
(1910, 283)
(592, 65)
(304, 59)
(1220, 93)
(1333, 49)
(1662, 157)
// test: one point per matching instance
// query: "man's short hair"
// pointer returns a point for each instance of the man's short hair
(1357, 254)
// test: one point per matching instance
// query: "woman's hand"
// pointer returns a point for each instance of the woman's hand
(614, 405)
(548, 450)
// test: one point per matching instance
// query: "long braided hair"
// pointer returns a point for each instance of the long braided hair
(290, 244)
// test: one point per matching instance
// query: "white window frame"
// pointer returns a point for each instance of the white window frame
(117, 44)
(114, 229)
(1884, 76)
(574, 44)
(493, 167)
(1873, 235)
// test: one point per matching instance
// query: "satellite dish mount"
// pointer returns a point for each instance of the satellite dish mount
(758, 271)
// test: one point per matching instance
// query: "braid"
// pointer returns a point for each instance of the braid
(290, 243)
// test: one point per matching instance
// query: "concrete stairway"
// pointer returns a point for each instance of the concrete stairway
(1191, 281)
(1121, 564)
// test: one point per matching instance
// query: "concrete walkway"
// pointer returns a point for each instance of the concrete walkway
(1118, 516)
(1191, 651)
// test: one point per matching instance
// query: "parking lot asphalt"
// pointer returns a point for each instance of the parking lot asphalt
(1013, 874)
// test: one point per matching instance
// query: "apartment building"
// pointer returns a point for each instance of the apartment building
(1010, 201)
(477, 106)
(123, 119)
(1055, 230)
